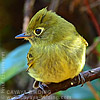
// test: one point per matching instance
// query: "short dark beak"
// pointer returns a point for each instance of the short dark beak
(21, 36)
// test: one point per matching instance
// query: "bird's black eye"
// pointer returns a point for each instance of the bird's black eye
(38, 31)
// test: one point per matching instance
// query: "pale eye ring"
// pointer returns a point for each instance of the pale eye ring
(38, 31)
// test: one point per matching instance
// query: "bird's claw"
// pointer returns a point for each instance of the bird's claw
(81, 79)
(44, 87)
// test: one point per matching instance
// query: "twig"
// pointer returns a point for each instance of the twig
(91, 48)
(73, 4)
(93, 91)
(27, 13)
(92, 16)
(54, 5)
(55, 87)
(92, 5)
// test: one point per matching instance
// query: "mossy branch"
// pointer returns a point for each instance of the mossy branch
(55, 87)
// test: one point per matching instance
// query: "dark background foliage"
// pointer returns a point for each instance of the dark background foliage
(12, 13)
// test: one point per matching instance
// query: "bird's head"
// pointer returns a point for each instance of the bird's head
(46, 26)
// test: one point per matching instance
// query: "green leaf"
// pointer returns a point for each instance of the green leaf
(14, 63)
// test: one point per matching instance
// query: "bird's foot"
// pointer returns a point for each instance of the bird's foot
(36, 84)
(81, 79)
(44, 87)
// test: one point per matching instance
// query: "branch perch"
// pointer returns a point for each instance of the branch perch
(55, 87)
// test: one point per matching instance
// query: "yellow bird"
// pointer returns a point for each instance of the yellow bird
(57, 50)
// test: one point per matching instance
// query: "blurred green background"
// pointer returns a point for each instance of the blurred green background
(14, 79)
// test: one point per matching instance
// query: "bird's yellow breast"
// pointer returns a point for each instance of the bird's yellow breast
(57, 62)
